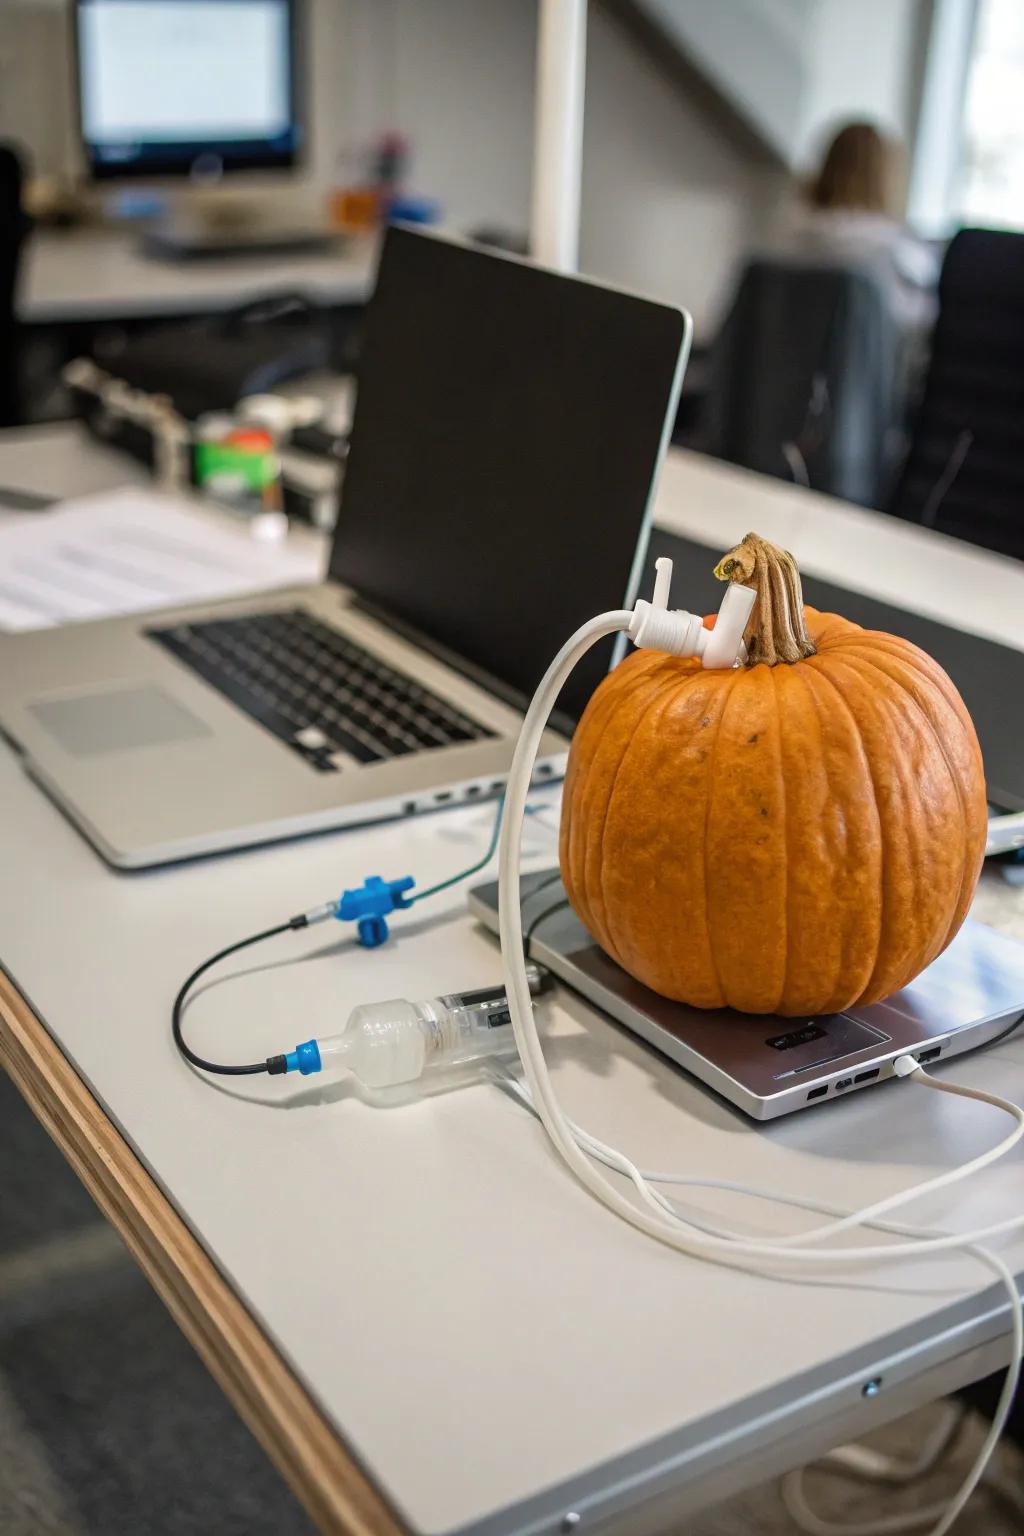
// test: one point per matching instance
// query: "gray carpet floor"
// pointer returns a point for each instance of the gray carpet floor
(110, 1426)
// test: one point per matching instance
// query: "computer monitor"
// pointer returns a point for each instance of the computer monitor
(187, 87)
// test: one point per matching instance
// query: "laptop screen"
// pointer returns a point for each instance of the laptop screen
(507, 432)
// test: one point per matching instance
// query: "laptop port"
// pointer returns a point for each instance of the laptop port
(930, 1055)
(818, 1093)
(868, 1076)
(442, 795)
(844, 1082)
(409, 808)
(472, 789)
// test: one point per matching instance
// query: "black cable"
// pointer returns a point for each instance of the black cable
(273, 1064)
(1004, 1034)
(542, 917)
(542, 884)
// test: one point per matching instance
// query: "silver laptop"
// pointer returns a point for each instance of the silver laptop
(508, 432)
(970, 996)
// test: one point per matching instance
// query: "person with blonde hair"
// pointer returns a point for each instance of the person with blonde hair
(848, 211)
(822, 346)
(859, 171)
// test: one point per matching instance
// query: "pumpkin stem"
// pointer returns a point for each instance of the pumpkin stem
(776, 630)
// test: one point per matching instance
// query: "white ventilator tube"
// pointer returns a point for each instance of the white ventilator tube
(651, 625)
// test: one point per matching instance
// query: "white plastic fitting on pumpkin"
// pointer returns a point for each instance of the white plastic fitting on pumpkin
(653, 626)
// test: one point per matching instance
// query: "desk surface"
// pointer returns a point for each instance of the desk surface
(102, 274)
(494, 1347)
(59, 460)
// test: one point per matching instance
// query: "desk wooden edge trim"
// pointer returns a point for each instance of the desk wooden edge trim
(306, 1450)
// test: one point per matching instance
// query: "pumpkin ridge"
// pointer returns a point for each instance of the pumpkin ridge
(606, 702)
(809, 691)
(871, 993)
(592, 918)
(616, 687)
(835, 707)
(837, 663)
(783, 802)
(803, 678)
(954, 778)
(823, 673)
(842, 965)
(675, 680)
(906, 651)
(730, 693)
(829, 629)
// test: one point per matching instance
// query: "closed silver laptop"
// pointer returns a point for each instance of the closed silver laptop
(972, 995)
(508, 432)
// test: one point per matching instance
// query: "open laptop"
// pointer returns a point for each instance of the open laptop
(507, 437)
(972, 995)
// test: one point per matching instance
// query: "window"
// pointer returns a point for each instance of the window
(989, 186)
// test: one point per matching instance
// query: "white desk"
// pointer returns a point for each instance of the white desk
(59, 460)
(99, 274)
(496, 1349)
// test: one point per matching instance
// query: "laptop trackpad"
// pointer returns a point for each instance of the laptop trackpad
(117, 720)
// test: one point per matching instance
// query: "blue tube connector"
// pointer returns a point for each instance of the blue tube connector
(305, 1058)
(369, 906)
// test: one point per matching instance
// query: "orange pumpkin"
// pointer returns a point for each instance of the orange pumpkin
(792, 836)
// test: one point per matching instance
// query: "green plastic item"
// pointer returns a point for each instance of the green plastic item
(255, 471)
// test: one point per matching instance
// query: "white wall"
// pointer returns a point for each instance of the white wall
(455, 76)
(669, 203)
(35, 81)
(756, 53)
(793, 68)
(862, 56)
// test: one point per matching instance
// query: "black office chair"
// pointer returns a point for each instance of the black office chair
(14, 228)
(964, 472)
(804, 379)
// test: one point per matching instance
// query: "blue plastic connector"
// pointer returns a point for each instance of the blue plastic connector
(305, 1058)
(369, 906)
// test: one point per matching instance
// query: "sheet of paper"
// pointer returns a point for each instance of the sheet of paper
(129, 550)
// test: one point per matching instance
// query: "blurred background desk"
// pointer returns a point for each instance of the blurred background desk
(85, 293)
(60, 461)
(92, 276)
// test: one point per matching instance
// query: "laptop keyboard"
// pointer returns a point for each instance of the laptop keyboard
(317, 691)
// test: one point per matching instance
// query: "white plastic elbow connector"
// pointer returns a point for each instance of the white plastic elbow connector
(656, 627)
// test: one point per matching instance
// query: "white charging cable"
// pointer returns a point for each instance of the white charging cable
(856, 1459)
(873, 1466)
(652, 626)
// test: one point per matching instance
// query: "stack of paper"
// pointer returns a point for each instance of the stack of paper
(129, 550)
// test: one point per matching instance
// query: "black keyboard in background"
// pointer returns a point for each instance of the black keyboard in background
(316, 690)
